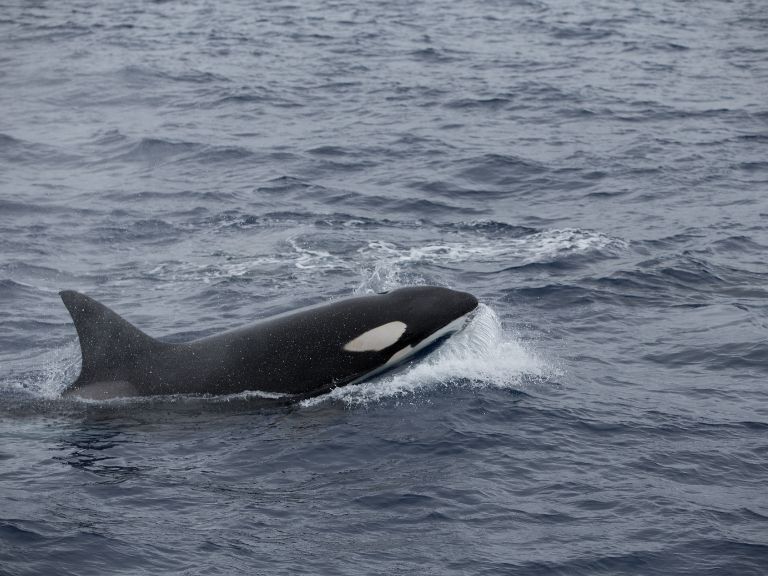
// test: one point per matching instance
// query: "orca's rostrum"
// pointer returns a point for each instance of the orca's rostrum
(305, 352)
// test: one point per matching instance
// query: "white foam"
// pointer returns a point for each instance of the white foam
(228, 268)
(182, 398)
(247, 395)
(308, 259)
(535, 248)
(482, 355)
(57, 368)
(385, 263)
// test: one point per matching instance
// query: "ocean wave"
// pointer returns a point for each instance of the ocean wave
(501, 252)
(746, 356)
(110, 147)
(383, 264)
(16, 151)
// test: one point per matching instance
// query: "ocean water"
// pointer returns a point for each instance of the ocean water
(596, 173)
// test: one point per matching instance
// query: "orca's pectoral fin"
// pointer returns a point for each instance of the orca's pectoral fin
(112, 348)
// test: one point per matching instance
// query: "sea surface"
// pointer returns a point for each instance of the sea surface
(595, 172)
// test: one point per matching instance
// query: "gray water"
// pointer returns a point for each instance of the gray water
(595, 173)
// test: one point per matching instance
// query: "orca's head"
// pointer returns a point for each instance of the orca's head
(416, 317)
(429, 309)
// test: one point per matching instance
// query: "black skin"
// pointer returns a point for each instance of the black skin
(297, 353)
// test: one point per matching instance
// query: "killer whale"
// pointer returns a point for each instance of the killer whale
(302, 353)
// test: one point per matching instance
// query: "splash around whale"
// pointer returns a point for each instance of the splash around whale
(302, 353)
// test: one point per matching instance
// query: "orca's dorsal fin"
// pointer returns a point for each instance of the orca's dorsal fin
(113, 349)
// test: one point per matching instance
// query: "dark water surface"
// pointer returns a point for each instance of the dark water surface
(595, 172)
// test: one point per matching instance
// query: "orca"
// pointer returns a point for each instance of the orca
(302, 353)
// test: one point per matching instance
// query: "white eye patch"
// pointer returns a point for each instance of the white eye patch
(377, 339)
